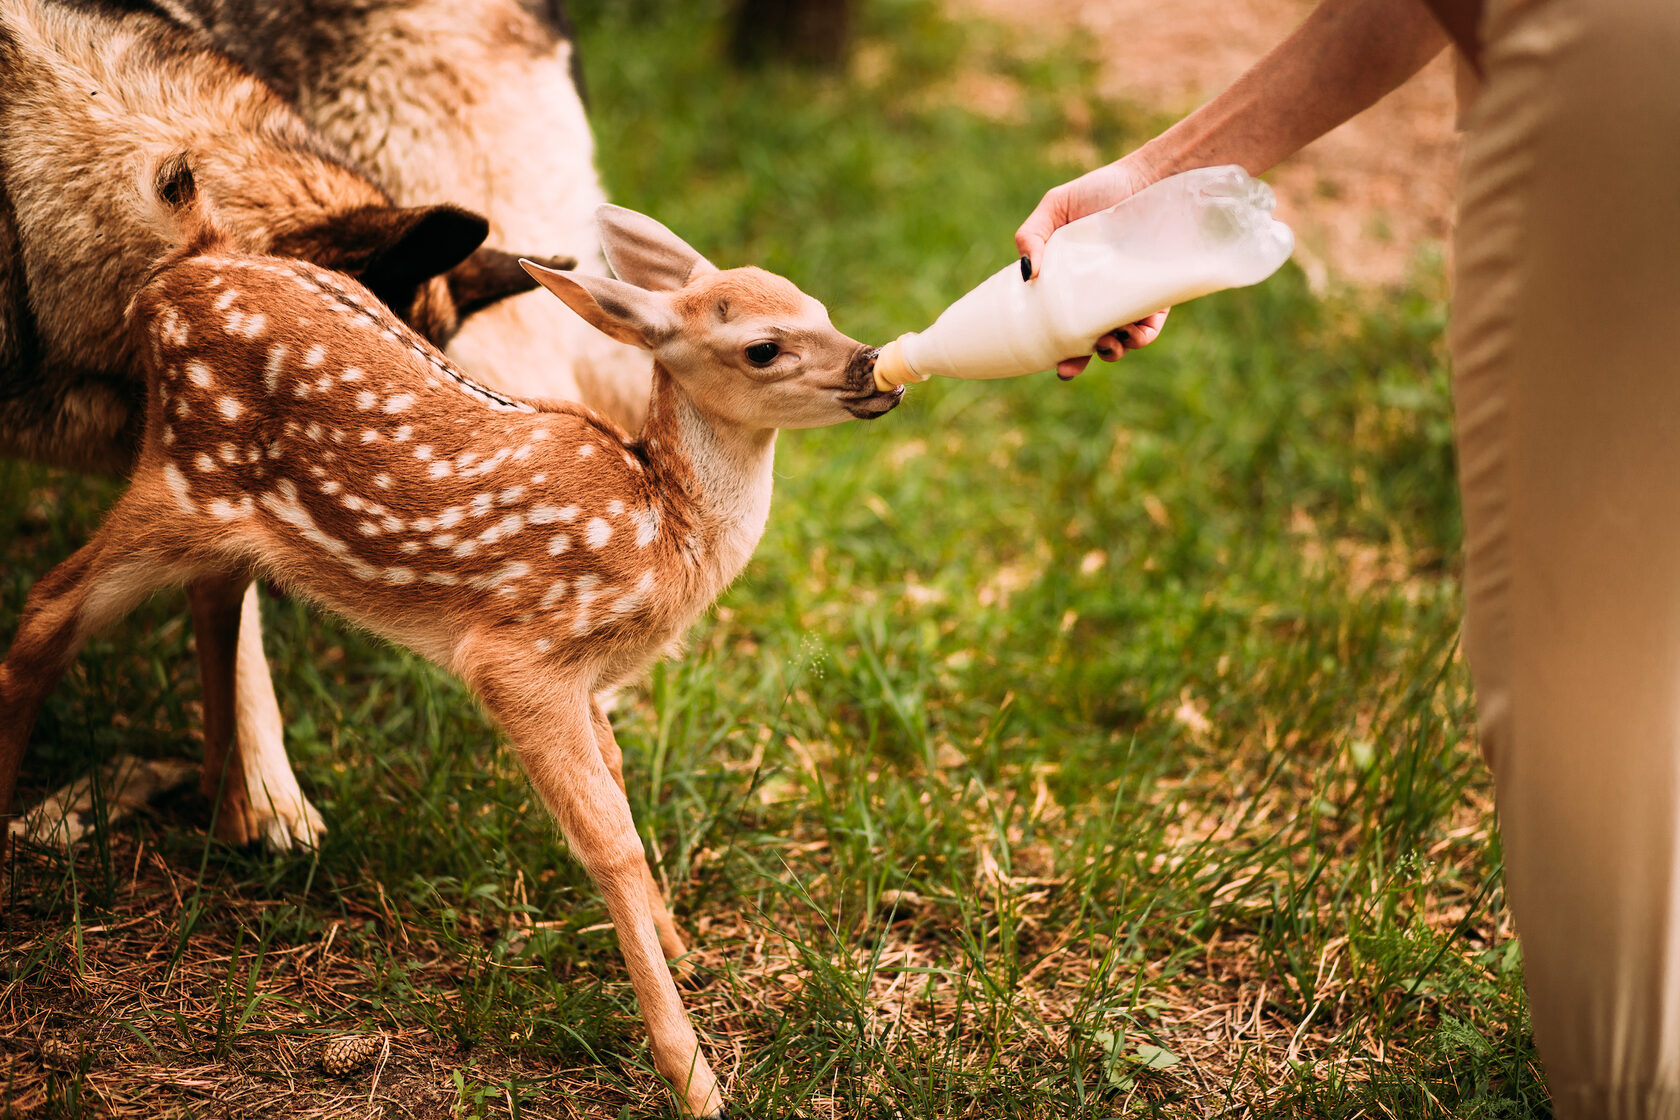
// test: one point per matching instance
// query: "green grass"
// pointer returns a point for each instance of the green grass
(1082, 750)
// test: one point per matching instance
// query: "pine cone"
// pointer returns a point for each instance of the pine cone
(349, 1052)
(63, 1051)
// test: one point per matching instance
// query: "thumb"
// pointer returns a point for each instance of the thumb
(1046, 217)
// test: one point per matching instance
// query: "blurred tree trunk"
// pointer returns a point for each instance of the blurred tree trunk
(806, 32)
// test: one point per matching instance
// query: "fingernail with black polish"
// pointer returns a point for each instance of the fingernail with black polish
(1026, 268)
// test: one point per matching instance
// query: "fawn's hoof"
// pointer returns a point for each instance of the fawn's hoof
(123, 784)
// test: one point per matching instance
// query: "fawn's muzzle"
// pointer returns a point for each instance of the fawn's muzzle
(861, 398)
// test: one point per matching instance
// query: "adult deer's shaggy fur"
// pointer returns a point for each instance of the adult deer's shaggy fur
(296, 430)
(478, 104)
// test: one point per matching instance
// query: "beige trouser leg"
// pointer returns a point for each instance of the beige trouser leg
(1566, 343)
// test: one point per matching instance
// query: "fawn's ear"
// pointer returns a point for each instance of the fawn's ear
(392, 250)
(618, 310)
(489, 276)
(645, 253)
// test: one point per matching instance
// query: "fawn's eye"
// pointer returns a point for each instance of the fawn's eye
(762, 353)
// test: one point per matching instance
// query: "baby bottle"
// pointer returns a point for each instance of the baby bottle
(1182, 237)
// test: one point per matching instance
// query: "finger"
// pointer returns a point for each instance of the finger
(1069, 368)
(1111, 347)
(1145, 330)
(1036, 230)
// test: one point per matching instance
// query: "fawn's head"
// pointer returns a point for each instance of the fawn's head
(744, 344)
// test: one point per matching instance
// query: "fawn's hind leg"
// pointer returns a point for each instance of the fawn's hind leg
(103, 581)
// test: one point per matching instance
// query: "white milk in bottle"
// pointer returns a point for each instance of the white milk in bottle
(1185, 236)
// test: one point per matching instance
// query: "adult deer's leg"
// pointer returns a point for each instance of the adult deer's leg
(95, 587)
(281, 815)
(557, 742)
(215, 604)
(670, 941)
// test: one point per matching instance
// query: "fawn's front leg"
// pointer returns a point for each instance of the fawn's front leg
(670, 941)
(564, 748)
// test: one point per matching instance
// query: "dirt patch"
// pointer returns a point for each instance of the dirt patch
(1366, 200)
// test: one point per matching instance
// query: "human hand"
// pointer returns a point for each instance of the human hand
(1091, 192)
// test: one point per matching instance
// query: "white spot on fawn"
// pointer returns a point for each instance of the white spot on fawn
(399, 402)
(198, 373)
(271, 371)
(630, 602)
(559, 544)
(204, 462)
(510, 495)
(506, 527)
(351, 373)
(614, 508)
(248, 325)
(439, 469)
(177, 483)
(315, 355)
(501, 578)
(585, 593)
(225, 300)
(402, 434)
(366, 400)
(556, 591)
(230, 408)
(227, 511)
(586, 451)
(597, 532)
(382, 480)
(647, 525)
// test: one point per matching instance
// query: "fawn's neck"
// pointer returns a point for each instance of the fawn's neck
(722, 471)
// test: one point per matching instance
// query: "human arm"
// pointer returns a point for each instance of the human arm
(1343, 58)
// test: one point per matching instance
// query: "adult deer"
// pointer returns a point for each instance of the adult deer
(296, 430)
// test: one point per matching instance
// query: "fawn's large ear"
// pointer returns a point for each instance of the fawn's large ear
(618, 310)
(392, 250)
(489, 276)
(645, 253)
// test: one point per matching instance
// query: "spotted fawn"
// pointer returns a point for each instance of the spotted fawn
(299, 432)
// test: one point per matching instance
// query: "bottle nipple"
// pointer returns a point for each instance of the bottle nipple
(891, 368)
